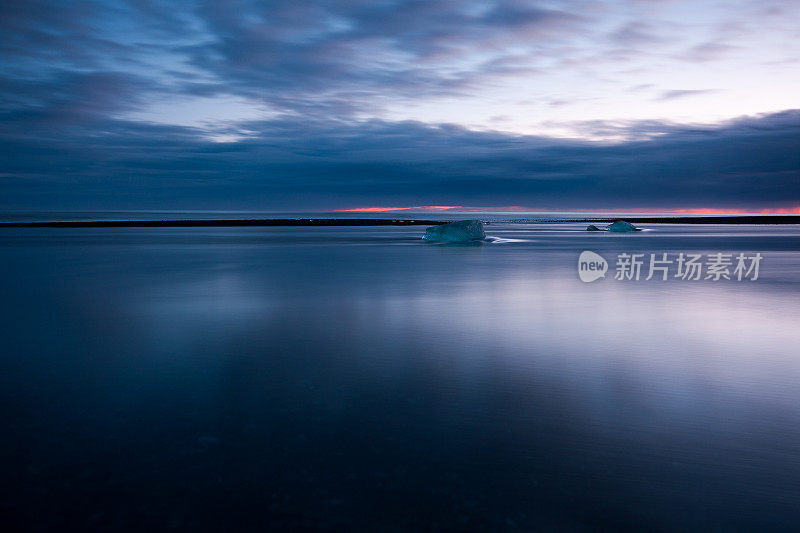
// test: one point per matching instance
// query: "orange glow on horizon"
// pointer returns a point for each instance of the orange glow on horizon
(379, 209)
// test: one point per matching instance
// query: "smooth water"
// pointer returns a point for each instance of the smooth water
(361, 379)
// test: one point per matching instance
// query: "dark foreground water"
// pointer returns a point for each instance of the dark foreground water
(359, 379)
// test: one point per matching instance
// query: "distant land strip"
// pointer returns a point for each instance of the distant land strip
(733, 219)
(221, 223)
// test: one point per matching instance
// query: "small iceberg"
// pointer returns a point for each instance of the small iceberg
(459, 231)
(620, 226)
(592, 227)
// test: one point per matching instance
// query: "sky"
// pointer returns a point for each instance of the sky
(291, 105)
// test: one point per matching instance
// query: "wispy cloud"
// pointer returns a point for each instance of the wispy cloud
(708, 51)
(683, 93)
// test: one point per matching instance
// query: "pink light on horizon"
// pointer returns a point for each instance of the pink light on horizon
(380, 209)
(713, 210)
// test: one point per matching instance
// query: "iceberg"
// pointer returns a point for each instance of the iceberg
(592, 227)
(620, 226)
(459, 231)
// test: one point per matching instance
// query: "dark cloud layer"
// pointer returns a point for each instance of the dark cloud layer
(298, 164)
(75, 74)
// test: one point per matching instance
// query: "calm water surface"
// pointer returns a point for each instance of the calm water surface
(360, 379)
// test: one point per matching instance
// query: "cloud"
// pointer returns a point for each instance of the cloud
(355, 59)
(348, 59)
(405, 48)
(638, 33)
(708, 51)
(124, 104)
(683, 93)
(294, 164)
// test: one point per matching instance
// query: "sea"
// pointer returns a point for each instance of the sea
(363, 379)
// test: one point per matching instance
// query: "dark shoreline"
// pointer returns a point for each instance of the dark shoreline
(271, 222)
(222, 223)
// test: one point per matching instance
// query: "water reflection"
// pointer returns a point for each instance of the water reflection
(359, 378)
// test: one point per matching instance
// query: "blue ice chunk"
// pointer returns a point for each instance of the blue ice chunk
(620, 226)
(459, 231)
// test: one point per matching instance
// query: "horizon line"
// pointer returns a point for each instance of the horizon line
(520, 209)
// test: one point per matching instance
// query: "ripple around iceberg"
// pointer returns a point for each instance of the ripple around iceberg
(502, 240)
